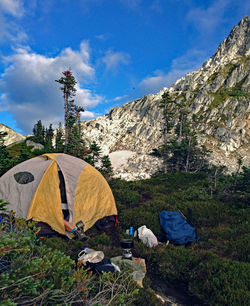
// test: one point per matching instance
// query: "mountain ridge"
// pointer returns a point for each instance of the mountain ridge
(217, 94)
(12, 136)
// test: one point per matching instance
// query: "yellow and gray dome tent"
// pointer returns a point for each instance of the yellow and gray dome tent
(32, 190)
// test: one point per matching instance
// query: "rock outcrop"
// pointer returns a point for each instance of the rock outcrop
(217, 94)
(215, 97)
(12, 136)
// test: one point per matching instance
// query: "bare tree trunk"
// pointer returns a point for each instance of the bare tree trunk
(239, 162)
(66, 117)
(215, 178)
(188, 155)
(180, 128)
(165, 138)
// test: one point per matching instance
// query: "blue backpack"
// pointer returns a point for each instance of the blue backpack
(178, 231)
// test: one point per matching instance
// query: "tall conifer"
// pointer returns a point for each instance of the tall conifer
(71, 111)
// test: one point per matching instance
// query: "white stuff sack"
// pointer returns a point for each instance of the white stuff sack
(147, 236)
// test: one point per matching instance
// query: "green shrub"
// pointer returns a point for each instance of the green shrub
(222, 282)
(56, 243)
(33, 273)
(175, 263)
(102, 242)
(214, 280)
(239, 248)
(138, 217)
(147, 297)
(30, 268)
(101, 239)
(130, 198)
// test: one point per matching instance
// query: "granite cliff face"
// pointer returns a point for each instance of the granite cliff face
(217, 93)
(12, 136)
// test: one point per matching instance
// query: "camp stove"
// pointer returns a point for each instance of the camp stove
(127, 245)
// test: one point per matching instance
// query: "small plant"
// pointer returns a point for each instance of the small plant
(3, 205)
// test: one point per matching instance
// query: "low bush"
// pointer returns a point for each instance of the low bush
(129, 197)
(222, 282)
(214, 269)
(175, 263)
(147, 297)
(214, 280)
(223, 226)
(31, 273)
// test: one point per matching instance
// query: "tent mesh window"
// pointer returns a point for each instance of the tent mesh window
(24, 177)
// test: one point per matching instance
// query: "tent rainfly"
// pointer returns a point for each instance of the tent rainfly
(32, 190)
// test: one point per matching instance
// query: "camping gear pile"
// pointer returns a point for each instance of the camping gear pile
(96, 261)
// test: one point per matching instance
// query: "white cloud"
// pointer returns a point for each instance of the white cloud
(30, 90)
(113, 60)
(209, 18)
(120, 98)
(103, 37)
(189, 61)
(87, 115)
(11, 12)
(180, 66)
(12, 7)
(155, 82)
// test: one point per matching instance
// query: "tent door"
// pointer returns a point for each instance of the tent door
(64, 201)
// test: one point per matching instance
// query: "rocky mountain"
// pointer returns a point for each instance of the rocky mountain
(217, 93)
(12, 136)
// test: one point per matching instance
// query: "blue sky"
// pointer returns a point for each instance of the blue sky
(118, 50)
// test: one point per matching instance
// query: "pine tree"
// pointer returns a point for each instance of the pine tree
(24, 153)
(71, 111)
(76, 145)
(39, 133)
(49, 134)
(167, 124)
(94, 155)
(184, 152)
(106, 167)
(59, 145)
(166, 104)
(6, 160)
(180, 149)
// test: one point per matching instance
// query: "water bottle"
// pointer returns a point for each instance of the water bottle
(85, 251)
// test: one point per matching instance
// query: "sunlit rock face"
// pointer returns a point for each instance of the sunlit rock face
(12, 136)
(217, 93)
